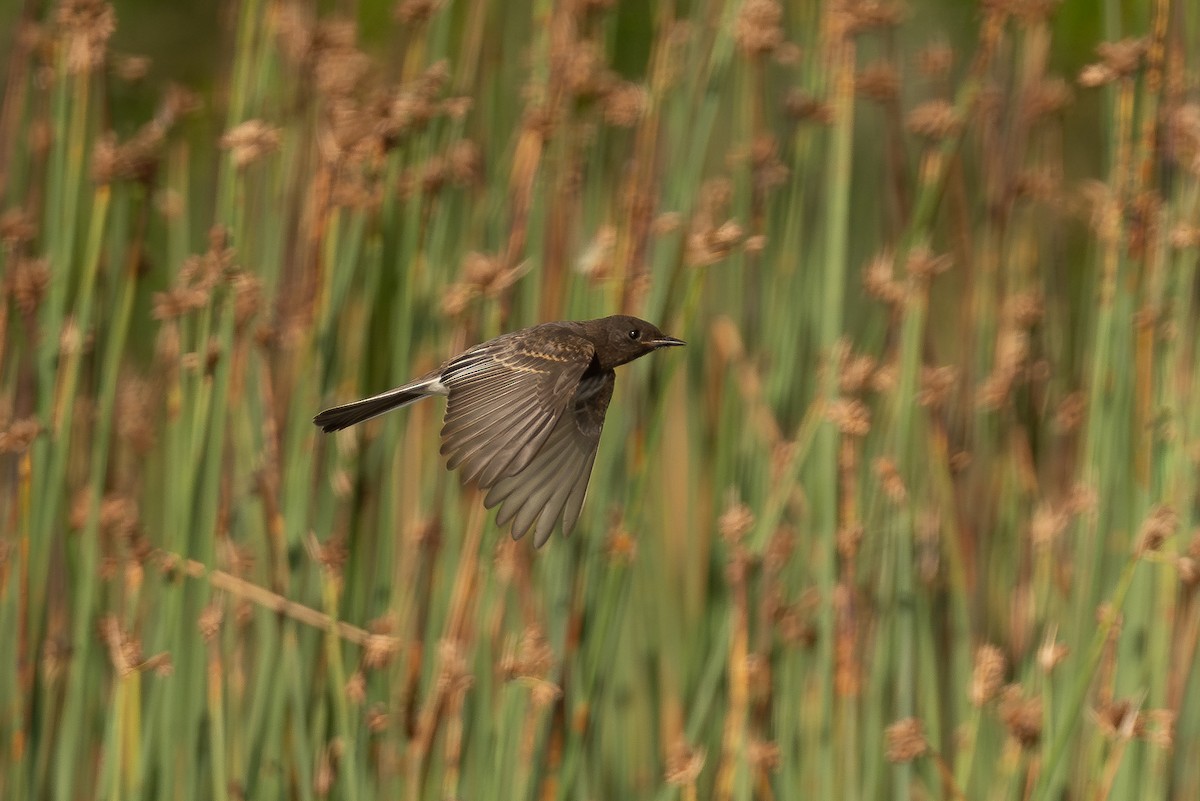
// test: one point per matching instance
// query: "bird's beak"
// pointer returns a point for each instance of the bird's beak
(666, 342)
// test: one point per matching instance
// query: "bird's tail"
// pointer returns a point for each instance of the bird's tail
(349, 414)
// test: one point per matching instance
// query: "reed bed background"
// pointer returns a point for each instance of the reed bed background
(913, 516)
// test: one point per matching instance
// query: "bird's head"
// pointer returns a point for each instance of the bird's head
(621, 339)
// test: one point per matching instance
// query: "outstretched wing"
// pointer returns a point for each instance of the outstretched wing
(553, 485)
(505, 397)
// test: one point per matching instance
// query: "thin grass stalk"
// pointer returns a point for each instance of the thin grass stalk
(83, 615)
(837, 221)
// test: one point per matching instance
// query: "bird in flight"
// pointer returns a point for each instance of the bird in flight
(524, 413)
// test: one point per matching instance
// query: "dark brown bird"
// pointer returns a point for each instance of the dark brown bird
(524, 413)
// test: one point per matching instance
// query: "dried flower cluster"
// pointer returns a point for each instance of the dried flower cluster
(684, 764)
(758, 30)
(905, 740)
(713, 238)
(250, 141)
(1162, 522)
(86, 27)
(735, 523)
(198, 277)
(1021, 715)
(879, 81)
(1117, 60)
(988, 676)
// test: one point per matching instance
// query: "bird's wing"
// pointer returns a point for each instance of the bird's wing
(505, 397)
(552, 486)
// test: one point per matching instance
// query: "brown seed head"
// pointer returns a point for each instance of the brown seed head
(1047, 525)
(856, 372)
(250, 141)
(625, 104)
(86, 27)
(764, 755)
(1123, 57)
(880, 283)
(879, 81)
(415, 12)
(28, 283)
(905, 740)
(1093, 76)
(585, 71)
(1022, 716)
(934, 120)
(19, 435)
(210, 621)
(851, 416)
(935, 60)
(1161, 523)
(532, 658)
(684, 763)
(1049, 96)
(17, 228)
(1183, 146)
(454, 675)
(804, 107)
(1189, 571)
(937, 384)
(889, 478)
(922, 264)
(768, 169)
(849, 538)
(735, 523)
(988, 676)
(378, 718)
(759, 27)
(1051, 653)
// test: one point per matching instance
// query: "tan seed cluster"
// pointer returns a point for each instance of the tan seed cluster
(27, 283)
(852, 17)
(879, 81)
(1051, 654)
(1162, 522)
(1117, 60)
(937, 385)
(759, 27)
(19, 435)
(889, 478)
(934, 120)
(1021, 715)
(1012, 349)
(454, 675)
(86, 27)
(988, 675)
(923, 264)
(415, 12)
(1048, 96)
(905, 740)
(851, 416)
(935, 60)
(804, 107)
(683, 764)
(209, 622)
(735, 523)
(250, 141)
(879, 281)
(1183, 146)
(531, 658)
(17, 228)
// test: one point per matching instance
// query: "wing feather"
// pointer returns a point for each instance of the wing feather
(505, 398)
(550, 489)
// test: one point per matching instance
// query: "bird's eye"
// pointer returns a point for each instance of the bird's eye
(635, 334)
